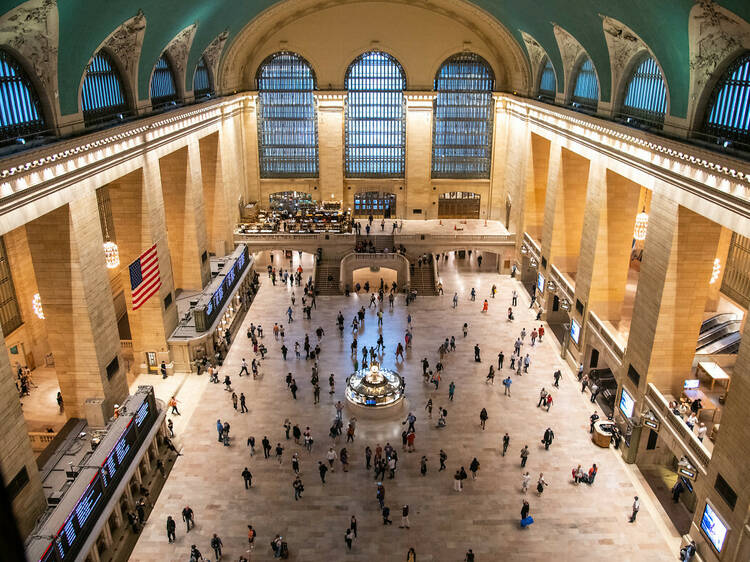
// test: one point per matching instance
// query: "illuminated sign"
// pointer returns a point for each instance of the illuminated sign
(205, 316)
(627, 403)
(540, 283)
(714, 528)
(575, 331)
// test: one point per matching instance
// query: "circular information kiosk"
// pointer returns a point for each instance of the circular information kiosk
(374, 388)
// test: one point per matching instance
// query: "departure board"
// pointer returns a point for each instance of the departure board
(88, 502)
(142, 414)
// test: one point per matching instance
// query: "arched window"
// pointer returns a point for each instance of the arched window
(462, 124)
(20, 110)
(202, 84)
(287, 122)
(547, 81)
(646, 96)
(728, 115)
(163, 86)
(375, 117)
(102, 96)
(586, 89)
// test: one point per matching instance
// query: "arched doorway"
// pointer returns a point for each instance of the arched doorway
(459, 205)
(376, 203)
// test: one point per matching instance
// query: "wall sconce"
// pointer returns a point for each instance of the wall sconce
(524, 249)
(715, 272)
(551, 286)
(533, 262)
(565, 304)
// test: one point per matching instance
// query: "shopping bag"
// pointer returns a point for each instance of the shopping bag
(526, 521)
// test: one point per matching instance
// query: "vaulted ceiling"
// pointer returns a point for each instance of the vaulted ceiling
(662, 24)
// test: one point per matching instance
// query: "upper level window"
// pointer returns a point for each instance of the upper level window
(547, 81)
(20, 110)
(287, 122)
(375, 117)
(163, 84)
(462, 124)
(728, 115)
(102, 96)
(646, 96)
(202, 84)
(586, 89)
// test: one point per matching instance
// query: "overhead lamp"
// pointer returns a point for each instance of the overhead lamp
(36, 303)
(551, 286)
(715, 271)
(565, 304)
(641, 226)
(111, 255)
(524, 249)
(533, 262)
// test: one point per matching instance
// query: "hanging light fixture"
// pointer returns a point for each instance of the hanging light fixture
(111, 251)
(111, 255)
(551, 286)
(524, 249)
(716, 271)
(533, 262)
(36, 302)
(641, 226)
(565, 304)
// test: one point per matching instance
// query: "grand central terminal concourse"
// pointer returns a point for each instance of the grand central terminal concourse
(374, 280)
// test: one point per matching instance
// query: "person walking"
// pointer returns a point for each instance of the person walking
(188, 518)
(353, 525)
(243, 405)
(473, 468)
(216, 544)
(542, 397)
(298, 488)
(349, 538)
(171, 526)
(172, 403)
(247, 477)
(506, 383)
(525, 478)
(636, 508)
(457, 481)
(451, 390)
(469, 553)
(477, 357)
(386, 512)
(506, 442)
(322, 469)
(443, 458)
(279, 452)
(540, 484)
(423, 466)
(524, 455)
(500, 359)
(557, 374)
(411, 556)
(549, 435)
(483, 418)
(380, 494)
(525, 510)
(404, 517)
(331, 456)
(266, 447)
(593, 419)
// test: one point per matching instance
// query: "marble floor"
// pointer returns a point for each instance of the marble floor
(571, 522)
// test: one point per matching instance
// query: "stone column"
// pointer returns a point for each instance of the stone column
(495, 207)
(251, 156)
(218, 229)
(67, 251)
(331, 143)
(535, 192)
(605, 258)
(183, 206)
(418, 192)
(514, 173)
(138, 215)
(15, 450)
(671, 297)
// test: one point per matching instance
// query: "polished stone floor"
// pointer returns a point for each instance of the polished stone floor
(571, 522)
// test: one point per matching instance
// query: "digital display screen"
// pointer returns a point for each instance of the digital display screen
(225, 288)
(141, 414)
(540, 283)
(714, 528)
(118, 454)
(627, 403)
(575, 331)
(88, 501)
(692, 384)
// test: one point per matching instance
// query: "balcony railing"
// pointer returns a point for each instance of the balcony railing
(614, 345)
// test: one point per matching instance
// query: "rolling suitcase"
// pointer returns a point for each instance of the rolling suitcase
(526, 521)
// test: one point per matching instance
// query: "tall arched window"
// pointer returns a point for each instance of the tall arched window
(586, 85)
(202, 84)
(646, 96)
(287, 122)
(728, 115)
(462, 123)
(20, 111)
(163, 84)
(375, 117)
(102, 96)
(547, 81)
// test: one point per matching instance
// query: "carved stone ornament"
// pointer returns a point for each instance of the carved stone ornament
(570, 48)
(212, 53)
(179, 49)
(622, 44)
(31, 29)
(715, 34)
(126, 42)
(536, 52)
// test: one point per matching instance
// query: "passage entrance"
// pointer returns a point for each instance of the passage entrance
(374, 203)
(459, 205)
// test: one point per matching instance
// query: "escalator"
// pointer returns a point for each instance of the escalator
(605, 380)
(719, 334)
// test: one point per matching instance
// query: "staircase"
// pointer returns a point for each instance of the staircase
(323, 269)
(381, 241)
(423, 280)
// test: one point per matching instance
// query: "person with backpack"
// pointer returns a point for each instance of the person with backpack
(195, 554)
(216, 544)
(483, 418)
(171, 526)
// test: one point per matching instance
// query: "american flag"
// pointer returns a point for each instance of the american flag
(144, 277)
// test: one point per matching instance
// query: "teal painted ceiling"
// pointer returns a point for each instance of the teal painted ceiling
(662, 24)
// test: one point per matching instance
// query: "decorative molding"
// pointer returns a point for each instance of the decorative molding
(536, 54)
(179, 50)
(212, 54)
(715, 34)
(31, 30)
(570, 49)
(126, 42)
(622, 44)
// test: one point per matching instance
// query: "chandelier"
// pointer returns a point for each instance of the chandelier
(111, 255)
(715, 271)
(36, 302)
(641, 226)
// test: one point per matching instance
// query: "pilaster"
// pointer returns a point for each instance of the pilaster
(331, 108)
(419, 113)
